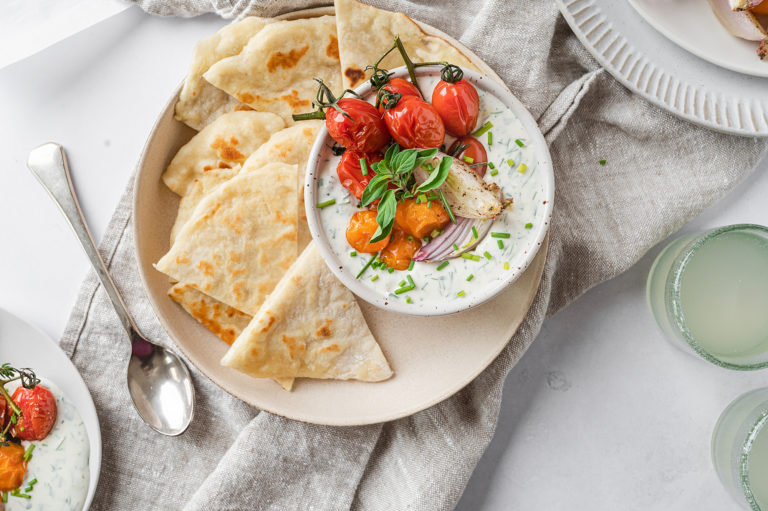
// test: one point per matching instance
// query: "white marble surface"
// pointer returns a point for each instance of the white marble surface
(600, 414)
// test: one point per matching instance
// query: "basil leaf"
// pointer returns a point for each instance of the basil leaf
(438, 176)
(385, 216)
(427, 153)
(391, 152)
(405, 162)
(375, 189)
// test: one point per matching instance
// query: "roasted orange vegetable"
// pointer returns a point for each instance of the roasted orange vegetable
(361, 228)
(401, 249)
(420, 219)
(12, 466)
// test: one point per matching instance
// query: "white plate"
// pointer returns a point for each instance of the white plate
(693, 25)
(23, 345)
(665, 74)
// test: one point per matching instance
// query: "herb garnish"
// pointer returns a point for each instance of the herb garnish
(27, 379)
(394, 182)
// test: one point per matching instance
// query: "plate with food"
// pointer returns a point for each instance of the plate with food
(276, 127)
(50, 441)
(729, 33)
(688, 71)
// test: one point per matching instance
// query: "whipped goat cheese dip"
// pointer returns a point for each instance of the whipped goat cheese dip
(501, 257)
(59, 462)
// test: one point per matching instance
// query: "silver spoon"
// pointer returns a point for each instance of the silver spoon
(158, 380)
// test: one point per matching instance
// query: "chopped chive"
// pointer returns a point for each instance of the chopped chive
(506, 265)
(28, 453)
(522, 168)
(404, 289)
(470, 277)
(402, 283)
(410, 281)
(390, 270)
(429, 167)
(455, 247)
(482, 129)
(327, 203)
(368, 264)
(487, 255)
(519, 142)
(374, 278)
(429, 204)
(408, 299)
(442, 265)
(363, 167)
(410, 265)
(461, 293)
(5, 496)
(602, 162)
(511, 162)
(528, 225)
(474, 232)
(468, 159)
(427, 238)
(447, 207)
(490, 164)
(17, 493)
(503, 235)
(410, 238)
(494, 172)
(490, 138)
(353, 254)
(500, 244)
(32, 482)
(471, 257)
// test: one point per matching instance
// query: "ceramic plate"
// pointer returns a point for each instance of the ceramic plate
(23, 345)
(665, 74)
(692, 25)
(432, 358)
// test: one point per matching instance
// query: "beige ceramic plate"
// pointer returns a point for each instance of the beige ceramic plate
(433, 358)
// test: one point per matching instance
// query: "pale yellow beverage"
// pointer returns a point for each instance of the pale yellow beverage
(709, 293)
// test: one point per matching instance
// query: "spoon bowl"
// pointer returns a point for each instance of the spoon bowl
(158, 380)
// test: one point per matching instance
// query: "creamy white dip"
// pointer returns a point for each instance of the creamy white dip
(449, 283)
(59, 462)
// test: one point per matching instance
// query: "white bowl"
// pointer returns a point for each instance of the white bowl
(540, 197)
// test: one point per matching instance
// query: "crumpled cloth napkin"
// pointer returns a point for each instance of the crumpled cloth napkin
(660, 173)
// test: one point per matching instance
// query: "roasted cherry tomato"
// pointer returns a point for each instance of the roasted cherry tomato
(38, 413)
(350, 173)
(456, 101)
(400, 250)
(400, 86)
(12, 466)
(362, 227)
(363, 130)
(419, 219)
(474, 151)
(414, 123)
(4, 413)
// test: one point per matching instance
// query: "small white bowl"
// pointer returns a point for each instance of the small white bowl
(521, 254)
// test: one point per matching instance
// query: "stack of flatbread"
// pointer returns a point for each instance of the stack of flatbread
(241, 258)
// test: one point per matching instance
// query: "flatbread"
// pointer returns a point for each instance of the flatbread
(240, 239)
(224, 321)
(224, 144)
(290, 145)
(200, 102)
(310, 326)
(365, 33)
(275, 71)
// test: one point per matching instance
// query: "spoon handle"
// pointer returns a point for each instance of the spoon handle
(49, 165)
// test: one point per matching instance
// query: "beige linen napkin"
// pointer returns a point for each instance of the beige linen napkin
(660, 172)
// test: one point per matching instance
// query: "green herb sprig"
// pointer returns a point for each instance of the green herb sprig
(28, 380)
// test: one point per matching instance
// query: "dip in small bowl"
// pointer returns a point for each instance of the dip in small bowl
(519, 163)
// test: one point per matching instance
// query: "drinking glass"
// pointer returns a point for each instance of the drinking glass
(740, 449)
(709, 295)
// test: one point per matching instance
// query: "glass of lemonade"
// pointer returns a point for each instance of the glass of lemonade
(740, 449)
(709, 294)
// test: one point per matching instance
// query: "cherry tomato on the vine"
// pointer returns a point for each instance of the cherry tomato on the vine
(38, 413)
(414, 123)
(457, 102)
(401, 86)
(475, 151)
(363, 130)
(351, 174)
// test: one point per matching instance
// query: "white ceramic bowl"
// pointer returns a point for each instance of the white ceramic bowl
(537, 193)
